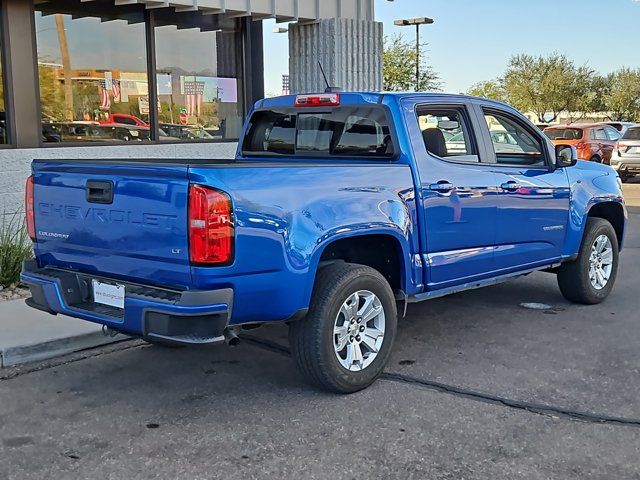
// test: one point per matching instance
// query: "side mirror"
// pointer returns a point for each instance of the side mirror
(566, 156)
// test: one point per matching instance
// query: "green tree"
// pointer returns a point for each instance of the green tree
(547, 85)
(399, 67)
(623, 98)
(51, 93)
(491, 89)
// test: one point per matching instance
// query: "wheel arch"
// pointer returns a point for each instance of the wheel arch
(383, 250)
(614, 213)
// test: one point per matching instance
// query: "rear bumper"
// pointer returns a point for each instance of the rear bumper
(626, 164)
(187, 317)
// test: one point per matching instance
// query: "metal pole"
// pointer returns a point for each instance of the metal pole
(417, 57)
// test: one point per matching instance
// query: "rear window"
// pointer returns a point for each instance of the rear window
(632, 134)
(340, 132)
(564, 133)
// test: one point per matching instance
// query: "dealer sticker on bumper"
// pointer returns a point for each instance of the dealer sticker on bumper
(107, 294)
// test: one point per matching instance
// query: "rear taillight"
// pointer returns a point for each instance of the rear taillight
(211, 231)
(319, 100)
(30, 221)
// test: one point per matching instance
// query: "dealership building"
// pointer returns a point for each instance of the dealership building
(159, 78)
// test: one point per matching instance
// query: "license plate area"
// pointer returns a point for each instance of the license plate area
(109, 294)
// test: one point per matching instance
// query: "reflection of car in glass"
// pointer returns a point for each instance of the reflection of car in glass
(91, 132)
(51, 133)
(124, 119)
(594, 142)
(201, 134)
(181, 132)
(214, 132)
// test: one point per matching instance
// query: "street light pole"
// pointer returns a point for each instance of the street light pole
(417, 22)
(417, 57)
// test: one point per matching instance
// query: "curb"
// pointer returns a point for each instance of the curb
(13, 356)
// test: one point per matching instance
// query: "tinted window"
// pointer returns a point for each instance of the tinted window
(513, 142)
(359, 132)
(564, 133)
(632, 134)
(446, 134)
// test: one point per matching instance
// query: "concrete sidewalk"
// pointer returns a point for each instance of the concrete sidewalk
(29, 335)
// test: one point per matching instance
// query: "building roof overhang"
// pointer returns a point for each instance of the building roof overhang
(281, 10)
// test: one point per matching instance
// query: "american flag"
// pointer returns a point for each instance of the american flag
(194, 93)
(105, 97)
(115, 88)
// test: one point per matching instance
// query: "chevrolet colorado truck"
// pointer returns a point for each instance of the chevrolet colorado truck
(338, 210)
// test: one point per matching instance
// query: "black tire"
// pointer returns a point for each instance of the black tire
(573, 277)
(625, 177)
(312, 339)
(596, 159)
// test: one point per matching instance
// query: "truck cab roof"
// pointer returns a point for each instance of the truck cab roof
(360, 98)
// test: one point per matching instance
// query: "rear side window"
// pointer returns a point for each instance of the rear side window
(564, 133)
(446, 134)
(632, 134)
(340, 132)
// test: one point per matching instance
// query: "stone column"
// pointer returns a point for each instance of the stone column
(350, 52)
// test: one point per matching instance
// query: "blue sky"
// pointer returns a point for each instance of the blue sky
(472, 40)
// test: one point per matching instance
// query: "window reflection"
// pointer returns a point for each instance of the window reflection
(197, 85)
(93, 80)
(3, 112)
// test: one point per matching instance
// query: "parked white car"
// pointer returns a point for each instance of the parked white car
(626, 156)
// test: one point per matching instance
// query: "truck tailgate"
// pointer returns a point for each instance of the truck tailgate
(128, 220)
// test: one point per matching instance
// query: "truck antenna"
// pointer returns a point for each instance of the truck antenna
(329, 88)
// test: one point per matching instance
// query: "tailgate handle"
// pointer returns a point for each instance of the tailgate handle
(100, 191)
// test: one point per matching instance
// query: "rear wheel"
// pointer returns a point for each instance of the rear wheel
(345, 341)
(596, 159)
(590, 278)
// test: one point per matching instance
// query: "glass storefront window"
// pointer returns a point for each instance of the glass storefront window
(198, 96)
(93, 77)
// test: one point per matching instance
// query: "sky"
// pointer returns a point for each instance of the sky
(472, 40)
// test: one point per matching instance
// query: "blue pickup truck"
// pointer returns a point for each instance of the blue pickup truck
(338, 210)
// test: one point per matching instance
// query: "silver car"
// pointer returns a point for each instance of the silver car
(626, 156)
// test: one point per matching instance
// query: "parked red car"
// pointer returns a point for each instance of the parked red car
(124, 119)
(595, 141)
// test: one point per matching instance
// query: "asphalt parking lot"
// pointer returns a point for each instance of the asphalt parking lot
(478, 387)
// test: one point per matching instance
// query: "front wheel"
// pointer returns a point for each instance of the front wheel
(345, 341)
(590, 278)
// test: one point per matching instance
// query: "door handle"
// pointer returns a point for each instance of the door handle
(99, 191)
(510, 186)
(442, 186)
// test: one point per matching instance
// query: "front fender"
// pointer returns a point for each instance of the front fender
(591, 184)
